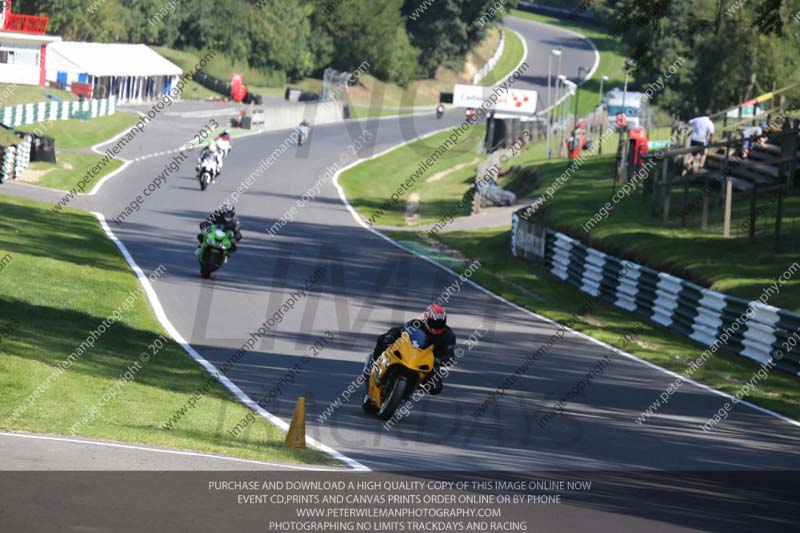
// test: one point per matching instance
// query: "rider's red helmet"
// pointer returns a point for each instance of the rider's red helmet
(435, 319)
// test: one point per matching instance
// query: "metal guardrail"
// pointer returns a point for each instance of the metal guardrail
(696, 312)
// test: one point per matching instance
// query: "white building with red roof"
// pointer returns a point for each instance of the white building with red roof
(23, 47)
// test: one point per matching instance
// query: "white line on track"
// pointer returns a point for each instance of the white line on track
(160, 450)
(366, 226)
(210, 368)
(125, 162)
(524, 50)
(585, 38)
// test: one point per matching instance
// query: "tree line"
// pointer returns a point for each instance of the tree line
(728, 51)
(285, 39)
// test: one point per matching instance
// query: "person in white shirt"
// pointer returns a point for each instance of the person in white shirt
(702, 134)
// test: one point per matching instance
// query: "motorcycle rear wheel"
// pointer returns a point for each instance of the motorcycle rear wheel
(397, 390)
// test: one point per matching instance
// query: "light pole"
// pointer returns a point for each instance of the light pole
(622, 152)
(577, 93)
(562, 81)
(600, 94)
(602, 116)
(556, 53)
(575, 120)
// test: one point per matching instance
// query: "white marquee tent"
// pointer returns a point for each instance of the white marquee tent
(131, 72)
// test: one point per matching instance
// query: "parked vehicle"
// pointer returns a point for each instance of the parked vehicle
(635, 111)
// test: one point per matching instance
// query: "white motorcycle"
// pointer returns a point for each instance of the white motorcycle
(207, 172)
(224, 147)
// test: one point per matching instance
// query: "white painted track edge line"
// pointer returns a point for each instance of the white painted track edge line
(366, 226)
(125, 162)
(240, 396)
(102, 182)
(582, 36)
(524, 50)
(159, 450)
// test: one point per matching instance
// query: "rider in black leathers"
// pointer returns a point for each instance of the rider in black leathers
(438, 334)
(225, 216)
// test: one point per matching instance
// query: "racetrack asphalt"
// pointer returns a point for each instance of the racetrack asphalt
(369, 285)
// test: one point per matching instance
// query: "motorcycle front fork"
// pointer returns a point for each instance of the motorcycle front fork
(367, 365)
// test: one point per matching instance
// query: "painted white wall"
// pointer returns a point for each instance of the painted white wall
(20, 74)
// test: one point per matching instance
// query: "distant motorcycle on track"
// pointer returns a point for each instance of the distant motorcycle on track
(206, 173)
(303, 131)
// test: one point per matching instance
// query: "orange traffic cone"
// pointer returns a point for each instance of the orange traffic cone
(296, 438)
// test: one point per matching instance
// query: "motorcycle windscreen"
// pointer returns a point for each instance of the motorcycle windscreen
(417, 336)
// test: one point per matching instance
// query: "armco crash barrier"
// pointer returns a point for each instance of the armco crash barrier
(682, 306)
(24, 114)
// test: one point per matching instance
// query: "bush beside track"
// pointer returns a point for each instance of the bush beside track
(59, 285)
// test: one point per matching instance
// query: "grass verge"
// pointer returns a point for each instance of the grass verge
(69, 170)
(532, 287)
(77, 133)
(71, 167)
(513, 53)
(13, 94)
(61, 281)
(369, 185)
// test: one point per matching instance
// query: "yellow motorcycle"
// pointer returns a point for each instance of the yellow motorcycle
(396, 374)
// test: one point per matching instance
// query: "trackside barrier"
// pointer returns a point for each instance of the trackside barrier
(696, 312)
(487, 68)
(25, 114)
(16, 159)
(23, 155)
(8, 163)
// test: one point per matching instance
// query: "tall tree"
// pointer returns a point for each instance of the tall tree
(371, 31)
(722, 45)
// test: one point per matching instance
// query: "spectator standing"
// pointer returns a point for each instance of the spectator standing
(702, 134)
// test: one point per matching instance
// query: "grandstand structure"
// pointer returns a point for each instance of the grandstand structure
(770, 166)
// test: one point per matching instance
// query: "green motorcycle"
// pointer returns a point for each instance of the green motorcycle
(213, 251)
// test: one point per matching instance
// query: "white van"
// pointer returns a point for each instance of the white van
(635, 108)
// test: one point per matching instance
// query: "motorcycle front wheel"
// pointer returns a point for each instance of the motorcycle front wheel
(204, 179)
(367, 404)
(207, 265)
(396, 391)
